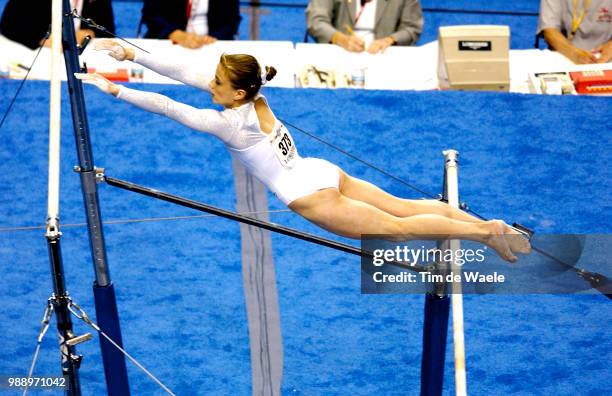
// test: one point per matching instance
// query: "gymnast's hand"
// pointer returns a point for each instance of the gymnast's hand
(115, 49)
(99, 81)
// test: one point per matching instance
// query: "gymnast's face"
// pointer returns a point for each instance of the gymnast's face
(223, 92)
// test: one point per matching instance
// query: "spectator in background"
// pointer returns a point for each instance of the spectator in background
(579, 29)
(358, 25)
(191, 23)
(27, 21)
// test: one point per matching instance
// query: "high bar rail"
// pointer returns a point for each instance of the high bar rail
(343, 247)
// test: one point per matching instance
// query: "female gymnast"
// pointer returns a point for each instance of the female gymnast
(314, 188)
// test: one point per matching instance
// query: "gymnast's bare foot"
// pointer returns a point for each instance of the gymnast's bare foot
(497, 240)
(517, 241)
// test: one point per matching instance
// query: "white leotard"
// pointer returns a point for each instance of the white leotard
(271, 158)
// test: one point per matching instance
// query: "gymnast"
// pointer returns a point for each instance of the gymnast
(314, 188)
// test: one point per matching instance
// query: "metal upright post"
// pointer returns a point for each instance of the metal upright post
(70, 361)
(435, 328)
(104, 293)
(437, 304)
(452, 190)
(254, 26)
(255, 11)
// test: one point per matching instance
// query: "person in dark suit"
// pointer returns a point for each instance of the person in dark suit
(191, 23)
(27, 21)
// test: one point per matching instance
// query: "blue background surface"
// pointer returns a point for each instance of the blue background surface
(179, 284)
(543, 161)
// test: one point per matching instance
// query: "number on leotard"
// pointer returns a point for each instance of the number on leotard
(287, 140)
(283, 148)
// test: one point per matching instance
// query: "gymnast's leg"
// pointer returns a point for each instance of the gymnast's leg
(361, 190)
(364, 191)
(347, 217)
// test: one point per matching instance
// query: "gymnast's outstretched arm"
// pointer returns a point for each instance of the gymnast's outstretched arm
(220, 124)
(188, 74)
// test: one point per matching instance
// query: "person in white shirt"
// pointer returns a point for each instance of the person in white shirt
(579, 29)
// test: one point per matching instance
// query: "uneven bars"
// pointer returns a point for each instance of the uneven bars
(125, 185)
(452, 191)
(55, 118)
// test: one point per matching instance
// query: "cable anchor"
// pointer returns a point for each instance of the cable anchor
(100, 176)
(46, 321)
(99, 172)
(53, 232)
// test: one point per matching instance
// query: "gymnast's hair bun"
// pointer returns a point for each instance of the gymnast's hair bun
(270, 73)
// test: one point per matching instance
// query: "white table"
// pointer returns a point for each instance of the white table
(275, 53)
(399, 68)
